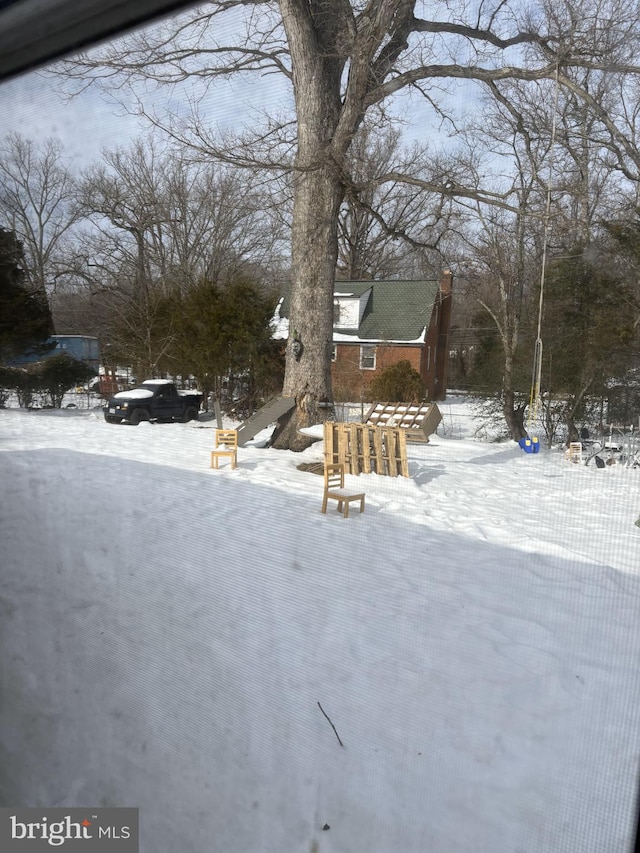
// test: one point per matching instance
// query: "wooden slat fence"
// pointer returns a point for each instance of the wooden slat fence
(366, 449)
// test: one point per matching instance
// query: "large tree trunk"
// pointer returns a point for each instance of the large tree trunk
(513, 415)
(314, 252)
(572, 410)
(317, 66)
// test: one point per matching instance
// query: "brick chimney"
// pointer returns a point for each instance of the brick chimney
(446, 283)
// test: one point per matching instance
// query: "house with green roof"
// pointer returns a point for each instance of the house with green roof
(378, 323)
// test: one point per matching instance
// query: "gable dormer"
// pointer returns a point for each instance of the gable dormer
(349, 308)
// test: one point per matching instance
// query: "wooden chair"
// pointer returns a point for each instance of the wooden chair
(334, 489)
(574, 453)
(226, 445)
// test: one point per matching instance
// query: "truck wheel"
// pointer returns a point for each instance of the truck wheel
(138, 415)
(191, 414)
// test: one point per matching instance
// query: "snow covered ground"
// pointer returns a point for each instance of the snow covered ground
(168, 631)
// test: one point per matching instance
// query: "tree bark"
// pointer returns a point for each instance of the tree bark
(317, 194)
(314, 252)
(513, 415)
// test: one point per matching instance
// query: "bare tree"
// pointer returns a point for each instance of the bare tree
(161, 226)
(183, 221)
(555, 156)
(507, 253)
(385, 229)
(343, 59)
(38, 202)
(501, 280)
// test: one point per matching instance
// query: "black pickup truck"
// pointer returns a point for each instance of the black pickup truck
(154, 400)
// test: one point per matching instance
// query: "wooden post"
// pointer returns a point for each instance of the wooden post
(367, 444)
(354, 449)
(402, 452)
(343, 447)
(379, 452)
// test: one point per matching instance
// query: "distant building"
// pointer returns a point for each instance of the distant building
(378, 323)
(80, 347)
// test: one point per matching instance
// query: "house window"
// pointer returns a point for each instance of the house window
(367, 358)
(333, 352)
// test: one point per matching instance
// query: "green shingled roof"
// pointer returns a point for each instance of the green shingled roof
(396, 310)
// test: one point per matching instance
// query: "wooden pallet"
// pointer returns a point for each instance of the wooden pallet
(419, 422)
(366, 449)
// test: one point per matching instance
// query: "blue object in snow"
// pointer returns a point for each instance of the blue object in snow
(530, 445)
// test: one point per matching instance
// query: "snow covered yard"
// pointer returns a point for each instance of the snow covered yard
(168, 631)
